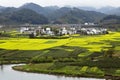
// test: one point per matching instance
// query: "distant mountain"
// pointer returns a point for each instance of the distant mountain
(106, 10)
(33, 7)
(52, 13)
(22, 16)
(39, 9)
(110, 10)
(111, 19)
(58, 13)
(76, 15)
(9, 10)
(51, 8)
(1, 8)
(116, 11)
(88, 8)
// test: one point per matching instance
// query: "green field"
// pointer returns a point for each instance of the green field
(77, 55)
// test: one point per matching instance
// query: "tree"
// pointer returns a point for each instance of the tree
(37, 32)
(56, 31)
(31, 35)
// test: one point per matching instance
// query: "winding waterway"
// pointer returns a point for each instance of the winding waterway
(7, 73)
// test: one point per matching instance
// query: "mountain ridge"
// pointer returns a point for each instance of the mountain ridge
(60, 15)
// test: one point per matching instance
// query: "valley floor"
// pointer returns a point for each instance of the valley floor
(90, 56)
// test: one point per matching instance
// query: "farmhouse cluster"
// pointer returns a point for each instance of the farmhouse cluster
(48, 31)
(63, 30)
(92, 31)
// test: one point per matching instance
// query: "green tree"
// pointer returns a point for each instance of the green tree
(37, 32)
(31, 35)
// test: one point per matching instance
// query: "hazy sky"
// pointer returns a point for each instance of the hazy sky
(93, 3)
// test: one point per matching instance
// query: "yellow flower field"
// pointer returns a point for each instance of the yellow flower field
(31, 44)
(95, 43)
(91, 43)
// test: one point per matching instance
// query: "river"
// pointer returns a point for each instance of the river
(7, 73)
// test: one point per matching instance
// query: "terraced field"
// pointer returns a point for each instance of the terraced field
(77, 56)
(77, 46)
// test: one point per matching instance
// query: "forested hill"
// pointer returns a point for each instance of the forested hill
(75, 15)
(35, 14)
(111, 19)
(22, 16)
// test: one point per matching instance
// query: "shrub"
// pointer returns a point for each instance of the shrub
(83, 69)
(66, 60)
(117, 72)
(95, 70)
(41, 59)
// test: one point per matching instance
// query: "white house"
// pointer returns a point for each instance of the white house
(1, 26)
(89, 23)
(91, 31)
(23, 29)
(63, 31)
(48, 31)
(73, 30)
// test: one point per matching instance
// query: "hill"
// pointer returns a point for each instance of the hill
(36, 14)
(21, 16)
(64, 15)
(39, 9)
(110, 10)
(106, 10)
(111, 19)
(75, 15)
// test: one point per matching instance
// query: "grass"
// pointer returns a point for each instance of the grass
(67, 70)
(83, 69)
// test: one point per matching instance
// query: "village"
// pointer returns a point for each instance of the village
(63, 29)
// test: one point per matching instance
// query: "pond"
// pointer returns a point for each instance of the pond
(7, 73)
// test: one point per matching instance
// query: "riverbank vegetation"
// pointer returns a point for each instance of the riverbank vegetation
(91, 56)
